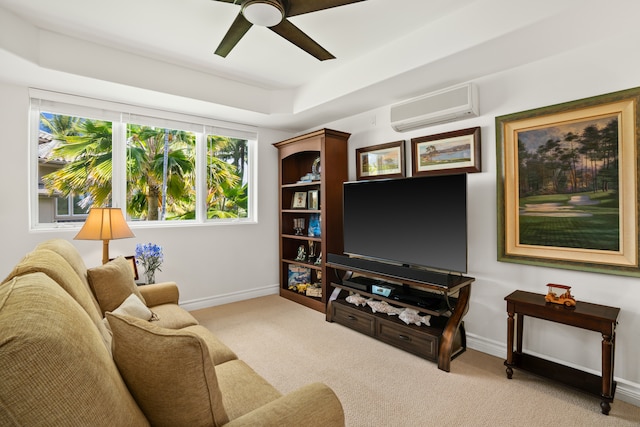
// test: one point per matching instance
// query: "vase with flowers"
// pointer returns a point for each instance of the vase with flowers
(150, 257)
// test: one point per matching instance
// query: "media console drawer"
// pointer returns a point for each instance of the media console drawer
(405, 338)
(354, 319)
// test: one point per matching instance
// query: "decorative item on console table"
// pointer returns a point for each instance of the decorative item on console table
(312, 166)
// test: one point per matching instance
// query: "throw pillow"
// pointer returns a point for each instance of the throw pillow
(169, 373)
(112, 283)
(133, 306)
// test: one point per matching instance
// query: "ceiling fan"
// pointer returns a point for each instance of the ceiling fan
(273, 14)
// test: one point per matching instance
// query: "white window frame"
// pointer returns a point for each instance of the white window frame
(121, 114)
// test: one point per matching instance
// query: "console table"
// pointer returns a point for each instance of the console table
(584, 315)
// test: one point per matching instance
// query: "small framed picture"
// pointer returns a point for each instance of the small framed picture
(380, 161)
(313, 199)
(299, 200)
(446, 153)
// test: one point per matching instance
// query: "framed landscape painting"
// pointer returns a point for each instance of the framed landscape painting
(446, 153)
(380, 161)
(568, 185)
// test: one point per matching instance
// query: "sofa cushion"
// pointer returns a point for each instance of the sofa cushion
(112, 283)
(172, 316)
(169, 373)
(243, 390)
(66, 250)
(54, 368)
(218, 351)
(57, 268)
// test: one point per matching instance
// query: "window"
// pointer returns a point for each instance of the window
(160, 168)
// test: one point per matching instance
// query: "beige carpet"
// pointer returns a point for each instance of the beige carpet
(378, 385)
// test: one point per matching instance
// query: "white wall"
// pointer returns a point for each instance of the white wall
(216, 264)
(575, 75)
(212, 264)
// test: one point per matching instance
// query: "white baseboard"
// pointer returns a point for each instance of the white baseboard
(197, 304)
(626, 391)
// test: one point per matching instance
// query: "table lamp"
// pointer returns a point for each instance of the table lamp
(104, 224)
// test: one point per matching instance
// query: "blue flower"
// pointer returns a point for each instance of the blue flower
(149, 256)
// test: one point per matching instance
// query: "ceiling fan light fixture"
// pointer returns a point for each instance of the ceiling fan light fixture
(265, 13)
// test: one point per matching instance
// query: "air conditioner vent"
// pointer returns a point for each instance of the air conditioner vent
(454, 103)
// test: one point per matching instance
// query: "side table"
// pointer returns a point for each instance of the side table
(584, 315)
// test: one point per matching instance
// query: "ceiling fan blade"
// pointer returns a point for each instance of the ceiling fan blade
(298, 7)
(292, 33)
(226, 1)
(238, 29)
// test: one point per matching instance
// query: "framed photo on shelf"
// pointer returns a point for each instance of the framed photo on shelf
(299, 200)
(314, 202)
(568, 185)
(380, 161)
(445, 153)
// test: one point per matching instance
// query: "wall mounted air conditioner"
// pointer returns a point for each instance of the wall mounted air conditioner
(446, 105)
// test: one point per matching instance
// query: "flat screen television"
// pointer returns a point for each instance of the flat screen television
(419, 222)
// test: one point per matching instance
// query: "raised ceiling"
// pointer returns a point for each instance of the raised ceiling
(161, 51)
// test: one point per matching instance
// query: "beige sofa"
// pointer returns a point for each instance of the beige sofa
(76, 348)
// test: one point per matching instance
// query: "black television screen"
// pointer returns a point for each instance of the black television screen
(418, 222)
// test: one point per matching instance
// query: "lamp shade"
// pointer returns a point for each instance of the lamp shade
(104, 224)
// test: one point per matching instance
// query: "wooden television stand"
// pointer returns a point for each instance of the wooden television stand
(443, 296)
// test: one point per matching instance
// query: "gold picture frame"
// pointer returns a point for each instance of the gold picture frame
(314, 199)
(299, 200)
(380, 161)
(568, 185)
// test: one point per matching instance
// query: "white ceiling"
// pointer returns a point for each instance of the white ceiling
(386, 51)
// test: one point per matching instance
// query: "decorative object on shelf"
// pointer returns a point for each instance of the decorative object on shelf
(590, 145)
(318, 260)
(314, 291)
(412, 316)
(565, 298)
(299, 200)
(150, 256)
(384, 307)
(356, 299)
(315, 229)
(298, 226)
(312, 251)
(298, 275)
(313, 199)
(383, 160)
(302, 254)
(315, 169)
(449, 152)
(104, 224)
